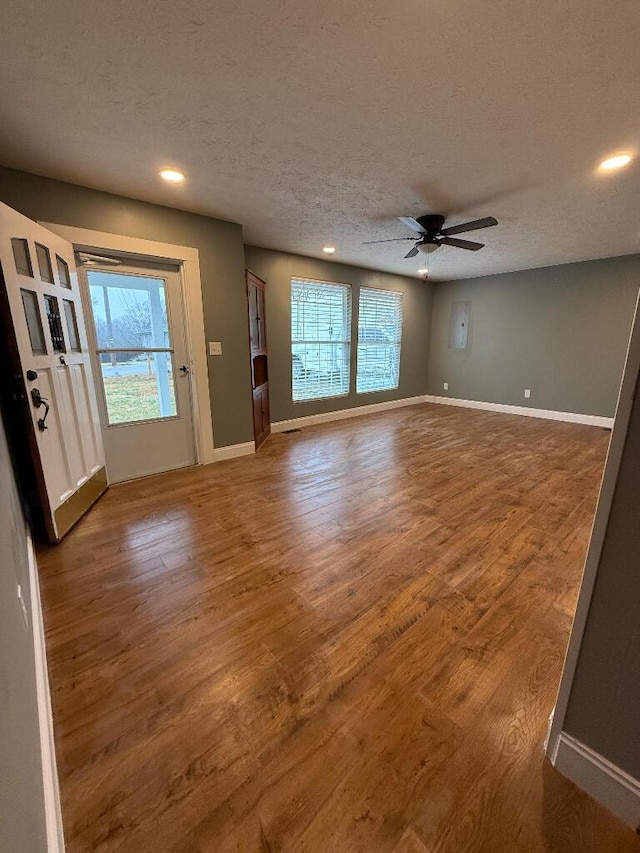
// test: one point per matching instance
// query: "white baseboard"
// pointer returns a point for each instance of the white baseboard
(527, 412)
(598, 777)
(52, 810)
(342, 414)
(231, 451)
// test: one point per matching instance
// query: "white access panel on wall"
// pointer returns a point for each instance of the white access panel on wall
(459, 320)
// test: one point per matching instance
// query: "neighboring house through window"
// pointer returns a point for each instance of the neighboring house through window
(379, 340)
(320, 339)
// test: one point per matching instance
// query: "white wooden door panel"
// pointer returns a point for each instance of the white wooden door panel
(53, 454)
(52, 357)
(62, 399)
(90, 441)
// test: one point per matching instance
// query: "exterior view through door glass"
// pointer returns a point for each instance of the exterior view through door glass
(142, 368)
(133, 346)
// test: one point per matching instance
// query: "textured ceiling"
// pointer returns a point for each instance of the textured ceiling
(322, 122)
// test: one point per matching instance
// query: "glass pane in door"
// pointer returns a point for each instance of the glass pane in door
(63, 272)
(34, 323)
(52, 309)
(134, 346)
(138, 386)
(129, 311)
(44, 263)
(72, 325)
(21, 256)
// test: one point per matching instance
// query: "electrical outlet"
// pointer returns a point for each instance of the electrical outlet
(527, 392)
(215, 348)
(446, 386)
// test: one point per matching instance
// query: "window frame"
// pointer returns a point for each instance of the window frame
(392, 332)
(100, 347)
(298, 283)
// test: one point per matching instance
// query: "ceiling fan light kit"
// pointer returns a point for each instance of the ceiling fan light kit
(433, 235)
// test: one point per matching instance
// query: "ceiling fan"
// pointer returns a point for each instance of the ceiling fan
(433, 235)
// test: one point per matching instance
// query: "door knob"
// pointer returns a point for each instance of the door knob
(39, 400)
(184, 370)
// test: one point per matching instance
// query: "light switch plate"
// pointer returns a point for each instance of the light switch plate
(215, 347)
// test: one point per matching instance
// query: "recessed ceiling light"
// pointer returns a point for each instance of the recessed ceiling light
(172, 176)
(329, 250)
(423, 271)
(618, 161)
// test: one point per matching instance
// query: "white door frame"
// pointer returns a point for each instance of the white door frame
(188, 259)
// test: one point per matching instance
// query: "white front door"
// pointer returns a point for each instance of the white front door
(54, 391)
(141, 368)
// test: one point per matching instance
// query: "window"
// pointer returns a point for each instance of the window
(379, 337)
(320, 339)
(134, 347)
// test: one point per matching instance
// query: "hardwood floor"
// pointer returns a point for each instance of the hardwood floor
(349, 642)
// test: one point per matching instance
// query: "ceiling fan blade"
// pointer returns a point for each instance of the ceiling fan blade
(487, 222)
(390, 240)
(460, 244)
(412, 253)
(412, 223)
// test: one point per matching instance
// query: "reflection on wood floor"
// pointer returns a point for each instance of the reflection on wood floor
(349, 642)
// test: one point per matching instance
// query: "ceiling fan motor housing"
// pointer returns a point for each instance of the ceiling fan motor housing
(431, 222)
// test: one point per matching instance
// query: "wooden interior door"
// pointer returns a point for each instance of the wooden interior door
(259, 360)
(52, 396)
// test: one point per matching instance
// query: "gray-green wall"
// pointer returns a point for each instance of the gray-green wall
(22, 814)
(278, 268)
(604, 704)
(560, 331)
(221, 266)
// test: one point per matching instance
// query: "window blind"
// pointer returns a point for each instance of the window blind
(379, 340)
(320, 339)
